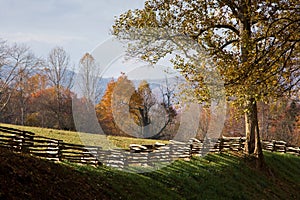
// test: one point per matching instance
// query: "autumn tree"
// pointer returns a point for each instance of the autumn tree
(124, 110)
(253, 45)
(31, 94)
(43, 113)
(104, 111)
(280, 120)
(152, 114)
(140, 105)
(112, 110)
(36, 112)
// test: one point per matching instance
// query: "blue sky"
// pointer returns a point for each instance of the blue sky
(77, 25)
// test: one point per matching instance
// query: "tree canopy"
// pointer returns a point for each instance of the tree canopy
(254, 44)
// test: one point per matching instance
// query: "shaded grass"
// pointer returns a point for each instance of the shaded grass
(216, 176)
(25, 177)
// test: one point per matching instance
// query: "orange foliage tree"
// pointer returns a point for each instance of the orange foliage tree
(44, 111)
(125, 110)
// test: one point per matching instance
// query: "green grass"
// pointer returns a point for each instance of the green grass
(216, 176)
(85, 138)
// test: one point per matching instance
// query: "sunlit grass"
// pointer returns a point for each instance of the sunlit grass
(87, 139)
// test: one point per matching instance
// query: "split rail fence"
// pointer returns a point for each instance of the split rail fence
(142, 155)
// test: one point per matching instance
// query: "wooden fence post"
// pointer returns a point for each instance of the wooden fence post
(60, 150)
(126, 159)
(172, 151)
(221, 144)
(22, 144)
(273, 145)
(240, 148)
(31, 143)
(15, 142)
(98, 156)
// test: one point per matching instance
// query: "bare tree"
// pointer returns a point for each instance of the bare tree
(17, 62)
(87, 88)
(166, 110)
(4, 49)
(57, 66)
(88, 78)
(26, 63)
(3, 52)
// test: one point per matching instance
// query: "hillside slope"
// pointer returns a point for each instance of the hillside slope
(218, 176)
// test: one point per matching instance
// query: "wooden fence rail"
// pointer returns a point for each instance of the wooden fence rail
(143, 155)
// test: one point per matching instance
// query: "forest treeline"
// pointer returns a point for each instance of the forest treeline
(37, 91)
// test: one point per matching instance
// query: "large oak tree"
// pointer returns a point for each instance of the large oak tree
(254, 46)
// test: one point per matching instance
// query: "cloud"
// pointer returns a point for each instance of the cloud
(39, 37)
(69, 15)
(41, 43)
(68, 23)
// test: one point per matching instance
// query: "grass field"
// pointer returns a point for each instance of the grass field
(85, 138)
(216, 176)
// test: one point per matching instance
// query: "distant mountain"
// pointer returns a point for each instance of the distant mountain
(155, 85)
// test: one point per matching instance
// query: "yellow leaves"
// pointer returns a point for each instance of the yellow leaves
(253, 64)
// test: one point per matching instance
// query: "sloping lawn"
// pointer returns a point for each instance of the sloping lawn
(216, 176)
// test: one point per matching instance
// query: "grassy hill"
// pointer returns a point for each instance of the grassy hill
(216, 176)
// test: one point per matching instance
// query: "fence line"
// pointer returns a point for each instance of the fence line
(144, 155)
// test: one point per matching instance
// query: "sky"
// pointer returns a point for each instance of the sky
(78, 26)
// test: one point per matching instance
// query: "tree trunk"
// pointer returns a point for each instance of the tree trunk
(250, 125)
(59, 99)
(258, 149)
(253, 144)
